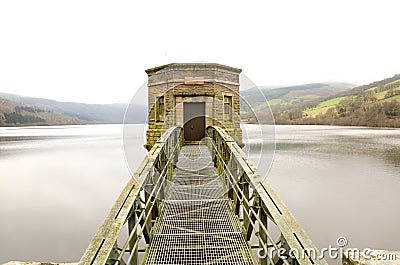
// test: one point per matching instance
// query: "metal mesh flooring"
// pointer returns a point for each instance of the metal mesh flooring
(197, 224)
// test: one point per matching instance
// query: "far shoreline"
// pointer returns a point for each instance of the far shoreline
(279, 124)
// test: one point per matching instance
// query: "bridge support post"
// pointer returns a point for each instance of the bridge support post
(155, 201)
(132, 230)
(252, 217)
(238, 195)
(149, 216)
(263, 243)
(246, 207)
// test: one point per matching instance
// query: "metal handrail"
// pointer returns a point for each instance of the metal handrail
(226, 149)
(104, 241)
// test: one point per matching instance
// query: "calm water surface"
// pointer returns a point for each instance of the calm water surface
(341, 181)
(58, 183)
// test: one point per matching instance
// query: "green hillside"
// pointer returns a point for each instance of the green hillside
(323, 107)
(375, 104)
(285, 98)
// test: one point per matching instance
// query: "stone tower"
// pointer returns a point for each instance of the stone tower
(194, 96)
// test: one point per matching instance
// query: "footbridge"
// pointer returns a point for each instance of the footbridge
(199, 204)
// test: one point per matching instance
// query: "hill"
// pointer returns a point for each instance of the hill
(375, 104)
(16, 114)
(18, 110)
(286, 98)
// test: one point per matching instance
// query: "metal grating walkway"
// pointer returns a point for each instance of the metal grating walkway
(197, 224)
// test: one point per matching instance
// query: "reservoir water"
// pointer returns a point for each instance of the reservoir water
(58, 183)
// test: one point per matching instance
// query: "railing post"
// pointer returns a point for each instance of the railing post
(253, 218)
(131, 224)
(263, 235)
(114, 256)
(246, 206)
(237, 196)
(145, 228)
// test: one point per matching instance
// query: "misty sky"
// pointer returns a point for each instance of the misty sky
(97, 51)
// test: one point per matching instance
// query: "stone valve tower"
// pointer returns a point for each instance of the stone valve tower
(193, 96)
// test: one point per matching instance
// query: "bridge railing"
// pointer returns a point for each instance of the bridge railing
(126, 232)
(268, 225)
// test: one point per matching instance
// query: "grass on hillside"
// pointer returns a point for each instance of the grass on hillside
(272, 102)
(322, 107)
(276, 101)
(397, 98)
(331, 102)
(312, 113)
(279, 101)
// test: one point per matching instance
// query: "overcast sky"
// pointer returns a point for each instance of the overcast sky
(97, 51)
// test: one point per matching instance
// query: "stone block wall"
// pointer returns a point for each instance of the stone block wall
(193, 82)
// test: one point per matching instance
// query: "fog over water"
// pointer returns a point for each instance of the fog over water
(58, 183)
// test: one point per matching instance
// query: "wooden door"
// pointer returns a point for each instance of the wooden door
(194, 121)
